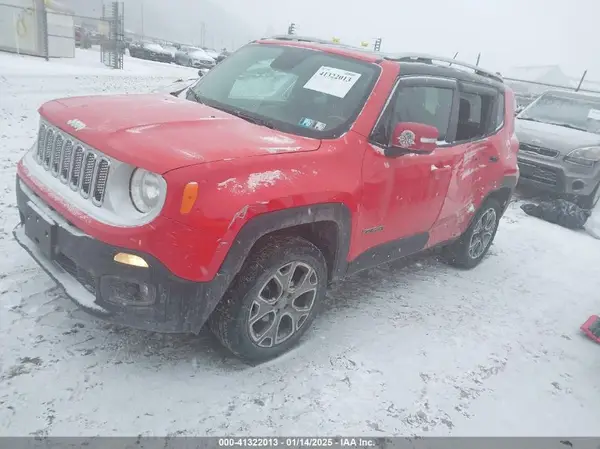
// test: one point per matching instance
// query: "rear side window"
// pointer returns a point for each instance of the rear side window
(425, 104)
(500, 113)
(478, 115)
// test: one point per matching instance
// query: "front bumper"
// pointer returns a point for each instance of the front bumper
(557, 176)
(149, 298)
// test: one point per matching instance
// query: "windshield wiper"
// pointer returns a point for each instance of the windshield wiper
(566, 125)
(252, 119)
(529, 119)
(195, 96)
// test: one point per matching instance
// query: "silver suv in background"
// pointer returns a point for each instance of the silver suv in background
(559, 152)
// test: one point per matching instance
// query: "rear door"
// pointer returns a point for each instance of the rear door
(478, 143)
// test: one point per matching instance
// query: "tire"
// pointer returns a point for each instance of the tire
(236, 321)
(589, 201)
(465, 252)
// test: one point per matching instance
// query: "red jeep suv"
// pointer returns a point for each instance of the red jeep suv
(294, 163)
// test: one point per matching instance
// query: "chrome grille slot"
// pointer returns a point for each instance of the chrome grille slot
(100, 182)
(538, 150)
(89, 167)
(76, 170)
(65, 164)
(41, 143)
(57, 150)
(83, 169)
(49, 141)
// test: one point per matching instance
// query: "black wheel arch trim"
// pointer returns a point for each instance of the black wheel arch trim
(270, 222)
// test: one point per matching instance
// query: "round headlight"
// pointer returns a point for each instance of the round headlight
(146, 189)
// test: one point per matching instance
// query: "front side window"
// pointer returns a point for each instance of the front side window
(581, 113)
(425, 104)
(301, 91)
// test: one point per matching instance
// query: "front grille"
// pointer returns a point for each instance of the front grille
(83, 169)
(538, 150)
(537, 173)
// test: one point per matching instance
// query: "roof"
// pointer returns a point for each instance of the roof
(367, 55)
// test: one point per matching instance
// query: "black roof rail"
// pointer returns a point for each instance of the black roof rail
(429, 59)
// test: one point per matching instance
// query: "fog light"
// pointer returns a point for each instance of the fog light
(130, 259)
(127, 293)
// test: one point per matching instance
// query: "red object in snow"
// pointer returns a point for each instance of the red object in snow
(591, 328)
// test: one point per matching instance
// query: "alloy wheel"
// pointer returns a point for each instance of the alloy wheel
(482, 233)
(283, 304)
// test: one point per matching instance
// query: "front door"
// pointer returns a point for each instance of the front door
(403, 195)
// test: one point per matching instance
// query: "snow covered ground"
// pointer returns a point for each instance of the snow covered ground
(423, 349)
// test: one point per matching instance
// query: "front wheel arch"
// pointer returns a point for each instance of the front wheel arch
(326, 224)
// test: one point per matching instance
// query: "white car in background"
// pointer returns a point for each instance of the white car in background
(212, 53)
(194, 57)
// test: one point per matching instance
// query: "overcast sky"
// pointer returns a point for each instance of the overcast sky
(506, 32)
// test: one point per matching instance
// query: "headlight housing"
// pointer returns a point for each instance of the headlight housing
(587, 156)
(147, 190)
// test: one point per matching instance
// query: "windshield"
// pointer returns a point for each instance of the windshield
(295, 90)
(579, 113)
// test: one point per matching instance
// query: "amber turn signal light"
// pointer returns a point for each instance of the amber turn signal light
(130, 259)
(190, 193)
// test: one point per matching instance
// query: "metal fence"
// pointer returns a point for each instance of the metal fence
(527, 91)
(49, 32)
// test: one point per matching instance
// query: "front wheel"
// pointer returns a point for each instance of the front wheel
(273, 300)
(473, 245)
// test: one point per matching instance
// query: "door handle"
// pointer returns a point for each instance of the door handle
(493, 158)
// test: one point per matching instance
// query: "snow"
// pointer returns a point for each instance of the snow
(592, 225)
(268, 178)
(417, 348)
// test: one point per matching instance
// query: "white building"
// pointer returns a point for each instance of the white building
(21, 32)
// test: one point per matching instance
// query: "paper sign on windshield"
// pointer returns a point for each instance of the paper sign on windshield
(594, 114)
(332, 81)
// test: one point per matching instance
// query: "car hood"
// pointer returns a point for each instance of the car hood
(554, 137)
(201, 55)
(160, 132)
(157, 50)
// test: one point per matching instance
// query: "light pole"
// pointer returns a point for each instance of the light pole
(142, 8)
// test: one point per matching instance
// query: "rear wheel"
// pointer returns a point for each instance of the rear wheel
(469, 250)
(273, 300)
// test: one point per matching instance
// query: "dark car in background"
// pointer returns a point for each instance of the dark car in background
(222, 56)
(150, 51)
(559, 151)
